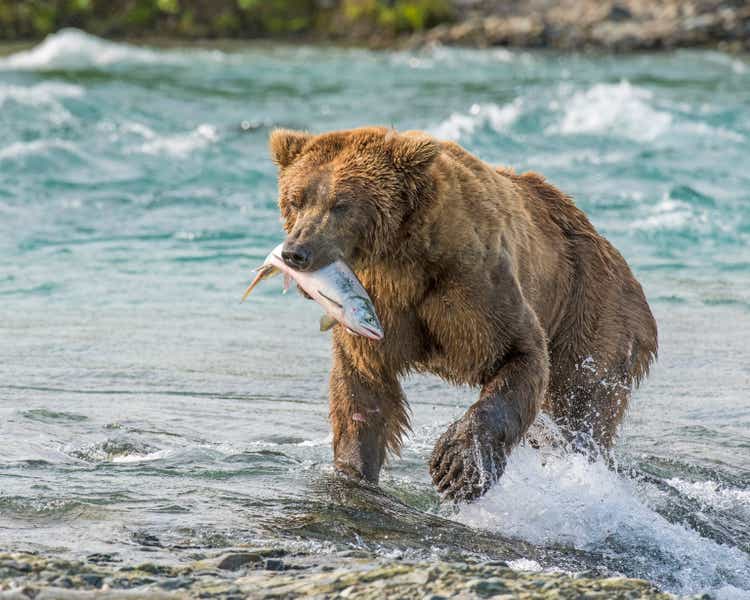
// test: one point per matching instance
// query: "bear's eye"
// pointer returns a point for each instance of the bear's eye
(339, 208)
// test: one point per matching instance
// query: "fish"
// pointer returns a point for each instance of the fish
(335, 287)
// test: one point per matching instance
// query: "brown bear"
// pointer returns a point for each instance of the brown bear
(479, 275)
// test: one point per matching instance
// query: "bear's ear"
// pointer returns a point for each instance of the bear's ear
(414, 152)
(286, 144)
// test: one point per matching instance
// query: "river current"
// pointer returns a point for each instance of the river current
(146, 413)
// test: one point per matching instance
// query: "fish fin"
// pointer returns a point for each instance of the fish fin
(264, 271)
(287, 282)
(326, 322)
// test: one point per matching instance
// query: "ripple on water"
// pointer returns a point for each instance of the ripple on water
(41, 508)
(44, 415)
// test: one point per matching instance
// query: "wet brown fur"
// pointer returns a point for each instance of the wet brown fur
(479, 275)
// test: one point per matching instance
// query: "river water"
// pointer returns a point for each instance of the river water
(145, 413)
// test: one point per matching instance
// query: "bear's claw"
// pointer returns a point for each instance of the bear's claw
(468, 458)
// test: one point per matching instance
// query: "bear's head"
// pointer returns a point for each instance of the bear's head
(349, 194)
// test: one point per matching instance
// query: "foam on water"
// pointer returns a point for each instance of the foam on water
(553, 498)
(497, 118)
(74, 49)
(671, 214)
(713, 495)
(620, 109)
(21, 149)
(525, 564)
(40, 93)
(71, 48)
(438, 56)
(630, 112)
(45, 98)
(178, 145)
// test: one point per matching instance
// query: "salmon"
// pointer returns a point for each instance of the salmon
(335, 287)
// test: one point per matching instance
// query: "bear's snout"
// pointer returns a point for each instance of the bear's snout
(297, 256)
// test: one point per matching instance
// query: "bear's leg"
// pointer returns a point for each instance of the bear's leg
(368, 416)
(471, 455)
(592, 405)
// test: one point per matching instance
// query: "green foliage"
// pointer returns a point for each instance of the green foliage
(226, 24)
(168, 6)
(139, 15)
(248, 4)
(399, 16)
(43, 19)
(341, 19)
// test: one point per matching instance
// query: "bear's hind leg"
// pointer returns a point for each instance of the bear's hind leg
(368, 417)
(591, 405)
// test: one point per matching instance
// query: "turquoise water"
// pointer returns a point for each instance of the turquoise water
(145, 413)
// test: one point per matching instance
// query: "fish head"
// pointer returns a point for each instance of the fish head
(361, 318)
(346, 195)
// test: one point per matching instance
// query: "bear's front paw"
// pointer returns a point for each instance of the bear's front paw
(471, 455)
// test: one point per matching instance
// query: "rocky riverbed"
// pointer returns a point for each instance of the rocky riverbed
(278, 573)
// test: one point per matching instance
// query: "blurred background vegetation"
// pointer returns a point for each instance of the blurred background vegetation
(349, 19)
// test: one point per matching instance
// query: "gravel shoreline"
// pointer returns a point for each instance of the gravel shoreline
(277, 573)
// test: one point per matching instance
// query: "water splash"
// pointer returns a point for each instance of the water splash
(555, 498)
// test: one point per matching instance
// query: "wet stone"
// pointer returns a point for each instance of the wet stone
(101, 558)
(176, 583)
(354, 554)
(495, 563)
(273, 564)
(234, 562)
(92, 580)
(487, 587)
(361, 579)
(64, 582)
(134, 582)
(146, 539)
(154, 569)
(238, 560)
(16, 566)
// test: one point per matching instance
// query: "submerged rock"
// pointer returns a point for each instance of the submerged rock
(24, 576)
